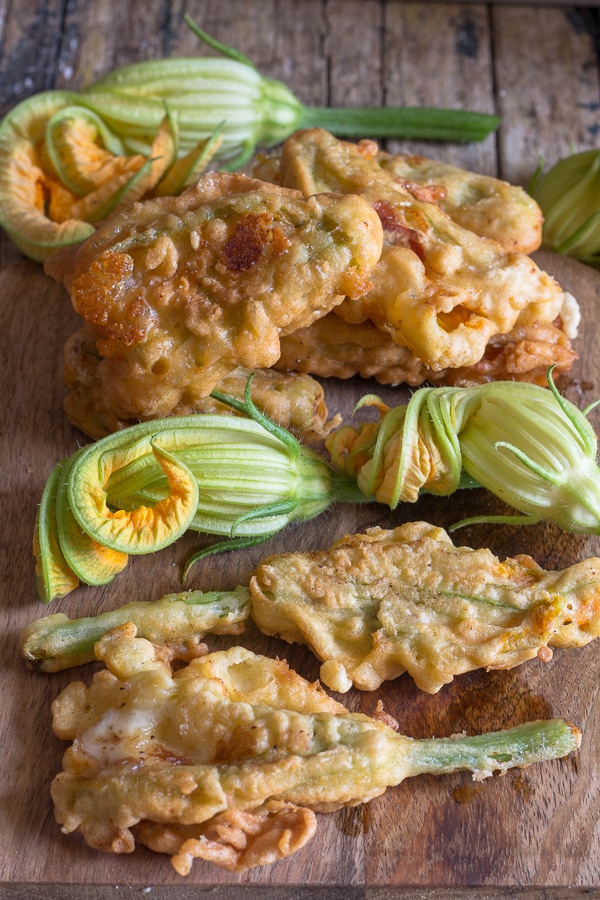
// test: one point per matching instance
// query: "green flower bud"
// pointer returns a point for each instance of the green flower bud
(536, 451)
(526, 444)
(569, 197)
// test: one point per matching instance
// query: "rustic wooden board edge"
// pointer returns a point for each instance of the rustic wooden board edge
(530, 3)
(179, 892)
(63, 891)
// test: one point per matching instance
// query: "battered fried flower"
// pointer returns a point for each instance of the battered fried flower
(371, 607)
(227, 759)
(386, 602)
(292, 400)
(438, 289)
(488, 206)
(179, 292)
(331, 347)
(177, 621)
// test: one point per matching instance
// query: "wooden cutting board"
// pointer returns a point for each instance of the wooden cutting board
(428, 837)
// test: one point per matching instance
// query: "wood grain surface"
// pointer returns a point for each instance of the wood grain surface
(533, 833)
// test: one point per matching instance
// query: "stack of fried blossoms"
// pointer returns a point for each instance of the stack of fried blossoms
(332, 260)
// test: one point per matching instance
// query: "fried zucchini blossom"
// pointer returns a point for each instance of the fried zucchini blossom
(528, 445)
(228, 759)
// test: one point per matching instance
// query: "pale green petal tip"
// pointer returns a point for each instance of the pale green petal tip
(569, 197)
(536, 451)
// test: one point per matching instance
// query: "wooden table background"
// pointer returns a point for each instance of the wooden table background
(533, 833)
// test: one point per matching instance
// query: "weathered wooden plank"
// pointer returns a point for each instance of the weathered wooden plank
(440, 55)
(430, 837)
(426, 831)
(108, 35)
(354, 48)
(31, 37)
(546, 65)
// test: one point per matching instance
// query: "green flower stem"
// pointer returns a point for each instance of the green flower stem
(496, 751)
(56, 642)
(409, 123)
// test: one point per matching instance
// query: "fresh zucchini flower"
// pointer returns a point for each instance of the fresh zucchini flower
(536, 451)
(569, 197)
(138, 490)
(69, 159)
(528, 445)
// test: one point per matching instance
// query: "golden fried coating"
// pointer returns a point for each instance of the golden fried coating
(438, 289)
(292, 400)
(331, 347)
(524, 354)
(228, 759)
(235, 839)
(378, 604)
(218, 760)
(488, 206)
(180, 291)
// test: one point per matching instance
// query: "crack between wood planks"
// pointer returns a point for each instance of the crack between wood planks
(495, 89)
(60, 43)
(325, 54)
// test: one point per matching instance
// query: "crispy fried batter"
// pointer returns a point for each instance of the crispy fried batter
(226, 759)
(378, 604)
(235, 839)
(331, 347)
(292, 400)
(438, 289)
(218, 760)
(488, 206)
(179, 292)
(524, 354)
